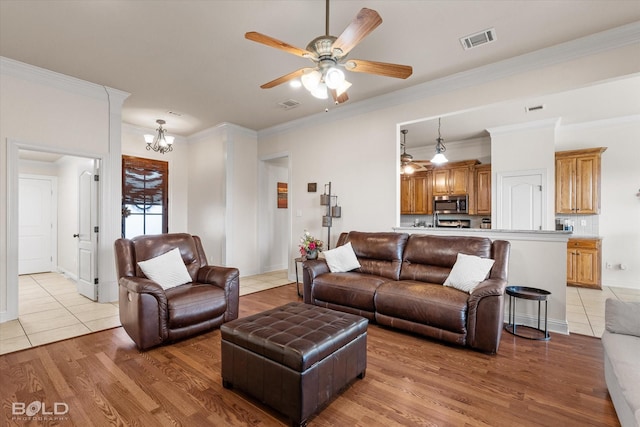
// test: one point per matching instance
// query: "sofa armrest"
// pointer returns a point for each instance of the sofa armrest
(226, 278)
(485, 315)
(311, 269)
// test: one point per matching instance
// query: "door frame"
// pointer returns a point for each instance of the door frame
(13, 158)
(500, 185)
(54, 212)
(262, 206)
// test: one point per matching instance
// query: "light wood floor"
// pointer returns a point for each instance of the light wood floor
(410, 380)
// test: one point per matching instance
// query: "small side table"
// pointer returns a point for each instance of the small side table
(534, 294)
(296, 261)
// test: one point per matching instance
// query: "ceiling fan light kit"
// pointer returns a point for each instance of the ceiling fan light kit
(160, 143)
(329, 53)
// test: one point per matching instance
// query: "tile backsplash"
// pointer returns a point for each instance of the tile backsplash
(583, 225)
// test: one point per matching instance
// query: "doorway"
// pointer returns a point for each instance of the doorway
(57, 219)
(275, 220)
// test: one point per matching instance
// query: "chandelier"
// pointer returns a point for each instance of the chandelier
(439, 157)
(161, 143)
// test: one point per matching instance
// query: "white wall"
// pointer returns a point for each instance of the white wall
(619, 221)
(357, 147)
(47, 111)
(223, 195)
(133, 145)
(525, 147)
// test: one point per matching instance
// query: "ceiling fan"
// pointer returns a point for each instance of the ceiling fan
(407, 165)
(329, 53)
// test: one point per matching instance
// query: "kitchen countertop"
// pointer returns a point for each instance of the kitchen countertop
(492, 233)
(493, 230)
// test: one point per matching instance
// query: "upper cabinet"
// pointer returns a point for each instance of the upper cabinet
(578, 181)
(483, 189)
(453, 178)
(415, 194)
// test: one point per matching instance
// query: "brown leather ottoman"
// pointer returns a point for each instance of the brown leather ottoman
(294, 358)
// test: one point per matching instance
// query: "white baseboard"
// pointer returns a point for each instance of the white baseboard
(554, 325)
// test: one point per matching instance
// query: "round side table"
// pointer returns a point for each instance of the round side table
(534, 294)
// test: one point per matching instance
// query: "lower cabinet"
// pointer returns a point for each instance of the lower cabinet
(583, 263)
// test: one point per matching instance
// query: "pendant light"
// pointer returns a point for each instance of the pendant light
(405, 159)
(439, 157)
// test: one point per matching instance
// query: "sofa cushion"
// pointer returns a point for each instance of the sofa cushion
(341, 259)
(194, 303)
(431, 258)
(351, 289)
(379, 254)
(622, 317)
(468, 272)
(427, 303)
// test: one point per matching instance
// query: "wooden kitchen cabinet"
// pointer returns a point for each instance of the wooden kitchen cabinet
(483, 189)
(415, 194)
(583, 263)
(578, 181)
(454, 178)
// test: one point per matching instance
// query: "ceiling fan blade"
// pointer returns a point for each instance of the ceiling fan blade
(285, 78)
(271, 42)
(379, 68)
(339, 99)
(365, 22)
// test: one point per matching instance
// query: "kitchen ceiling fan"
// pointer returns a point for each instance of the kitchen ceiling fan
(329, 53)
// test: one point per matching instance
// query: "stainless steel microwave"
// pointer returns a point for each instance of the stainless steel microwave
(451, 204)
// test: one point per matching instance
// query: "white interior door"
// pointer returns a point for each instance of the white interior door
(87, 235)
(36, 229)
(521, 202)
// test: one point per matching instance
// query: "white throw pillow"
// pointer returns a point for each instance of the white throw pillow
(341, 259)
(468, 272)
(167, 270)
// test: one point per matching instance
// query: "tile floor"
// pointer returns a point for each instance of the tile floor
(585, 307)
(50, 309)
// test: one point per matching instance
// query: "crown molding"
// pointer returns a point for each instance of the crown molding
(589, 45)
(218, 129)
(612, 121)
(552, 123)
(11, 67)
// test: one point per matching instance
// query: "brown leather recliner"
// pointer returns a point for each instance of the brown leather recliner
(152, 315)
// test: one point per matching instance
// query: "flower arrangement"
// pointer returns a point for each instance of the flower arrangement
(309, 244)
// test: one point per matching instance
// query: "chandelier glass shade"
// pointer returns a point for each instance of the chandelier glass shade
(439, 157)
(406, 159)
(161, 143)
(319, 82)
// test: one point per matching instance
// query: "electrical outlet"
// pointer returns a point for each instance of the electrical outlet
(583, 222)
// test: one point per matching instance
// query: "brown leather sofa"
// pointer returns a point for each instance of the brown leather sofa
(152, 315)
(400, 284)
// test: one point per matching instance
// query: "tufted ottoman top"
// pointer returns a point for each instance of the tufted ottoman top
(295, 335)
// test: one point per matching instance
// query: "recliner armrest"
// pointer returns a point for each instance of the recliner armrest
(142, 285)
(221, 277)
(226, 278)
(488, 287)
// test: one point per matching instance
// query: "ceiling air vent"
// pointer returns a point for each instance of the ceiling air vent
(478, 39)
(288, 104)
